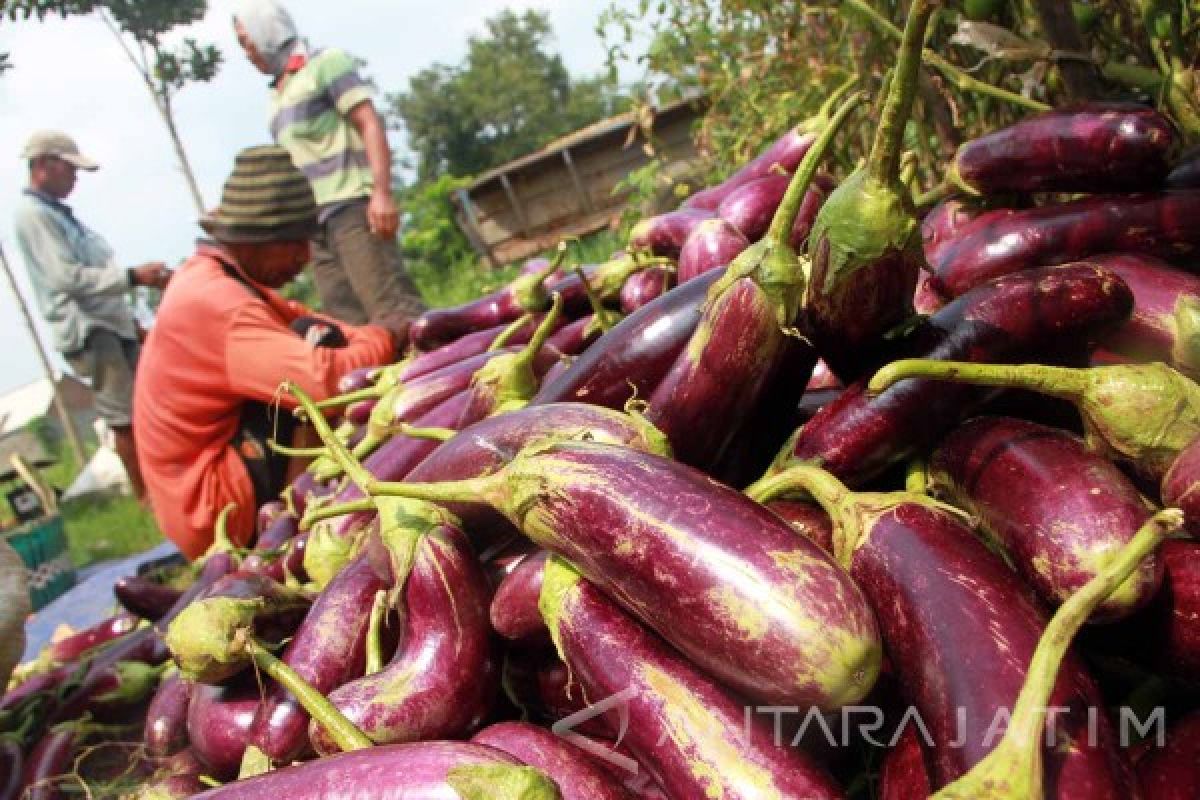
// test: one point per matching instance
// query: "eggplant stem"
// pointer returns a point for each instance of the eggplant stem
(822, 485)
(221, 541)
(544, 330)
(369, 444)
(506, 335)
(593, 299)
(884, 160)
(936, 195)
(916, 476)
(825, 112)
(318, 513)
(1061, 382)
(375, 633)
(337, 450)
(1013, 770)
(436, 434)
(296, 452)
(366, 393)
(789, 207)
(961, 79)
(344, 732)
(470, 490)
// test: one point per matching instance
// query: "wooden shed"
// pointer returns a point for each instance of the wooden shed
(567, 188)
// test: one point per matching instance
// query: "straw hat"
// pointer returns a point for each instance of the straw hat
(266, 199)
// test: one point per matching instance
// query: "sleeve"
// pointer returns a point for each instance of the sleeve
(261, 353)
(337, 76)
(45, 248)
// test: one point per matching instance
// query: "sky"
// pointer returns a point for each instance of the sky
(71, 75)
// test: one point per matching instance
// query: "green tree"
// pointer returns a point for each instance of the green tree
(509, 96)
(140, 26)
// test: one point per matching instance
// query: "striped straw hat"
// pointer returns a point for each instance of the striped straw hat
(266, 199)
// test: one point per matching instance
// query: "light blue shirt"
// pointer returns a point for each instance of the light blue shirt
(77, 284)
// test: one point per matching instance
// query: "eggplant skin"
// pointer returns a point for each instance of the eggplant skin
(961, 628)
(1058, 510)
(578, 777)
(1173, 772)
(416, 771)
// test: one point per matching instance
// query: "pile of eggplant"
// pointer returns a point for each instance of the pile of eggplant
(806, 495)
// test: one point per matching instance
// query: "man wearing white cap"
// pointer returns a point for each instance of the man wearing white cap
(81, 291)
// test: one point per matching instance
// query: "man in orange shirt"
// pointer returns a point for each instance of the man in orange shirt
(222, 343)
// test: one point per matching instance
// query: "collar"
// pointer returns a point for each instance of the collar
(49, 200)
(295, 63)
(209, 248)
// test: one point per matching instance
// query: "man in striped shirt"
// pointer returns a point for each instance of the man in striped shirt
(322, 113)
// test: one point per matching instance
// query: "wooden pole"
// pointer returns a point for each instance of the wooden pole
(59, 404)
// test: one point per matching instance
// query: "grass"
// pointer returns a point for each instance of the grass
(99, 527)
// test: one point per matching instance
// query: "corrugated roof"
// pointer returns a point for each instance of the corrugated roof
(596, 130)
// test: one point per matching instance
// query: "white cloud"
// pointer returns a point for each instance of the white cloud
(71, 75)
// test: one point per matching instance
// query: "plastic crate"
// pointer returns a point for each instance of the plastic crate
(42, 545)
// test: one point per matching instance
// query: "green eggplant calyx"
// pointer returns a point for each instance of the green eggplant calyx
(375, 625)
(1143, 413)
(1013, 770)
(530, 291)
(208, 638)
(559, 577)
(1186, 351)
(501, 782)
(403, 523)
(862, 221)
(509, 379)
(327, 551)
(136, 682)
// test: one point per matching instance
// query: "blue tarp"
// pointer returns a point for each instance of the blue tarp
(90, 601)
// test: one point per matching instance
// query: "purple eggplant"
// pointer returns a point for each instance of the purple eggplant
(443, 678)
(1154, 224)
(357, 379)
(566, 343)
(283, 527)
(750, 207)
(1115, 147)
(904, 775)
(1164, 635)
(665, 234)
(218, 723)
(645, 287)
(806, 519)
(12, 764)
(1181, 484)
(865, 246)
(1060, 512)
(692, 732)
(467, 346)
(165, 731)
(572, 769)
(1166, 315)
(329, 649)
(665, 540)
(177, 778)
(961, 629)
(422, 771)
(271, 509)
(1173, 772)
(48, 767)
(632, 358)
(145, 598)
(743, 350)
(945, 222)
(514, 611)
(858, 436)
(712, 245)
(440, 326)
(1185, 174)
(80, 645)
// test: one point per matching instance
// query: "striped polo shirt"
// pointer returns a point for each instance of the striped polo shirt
(308, 118)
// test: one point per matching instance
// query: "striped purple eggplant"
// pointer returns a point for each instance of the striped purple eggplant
(667, 542)
(79, 645)
(1172, 772)
(633, 357)
(268, 511)
(944, 222)
(859, 435)
(421, 771)
(904, 775)
(1155, 224)
(577, 776)
(218, 723)
(960, 628)
(177, 778)
(514, 612)
(665, 234)
(165, 730)
(1060, 512)
(692, 732)
(1181, 484)
(712, 245)
(328, 650)
(443, 678)
(1166, 314)
(743, 348)
(49, 764)
(1114, 147)
(1144, 414)
(145, 598)
(440, 326)
(865, 245)
(469, 345)
(750, 207)
(567, 342)
(645, 287)
(806, 519)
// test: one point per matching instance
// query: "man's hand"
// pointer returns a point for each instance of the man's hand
(382, 215)
(154, 275)
(396, 323)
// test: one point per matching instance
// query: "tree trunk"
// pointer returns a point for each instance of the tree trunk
(1058, 26)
